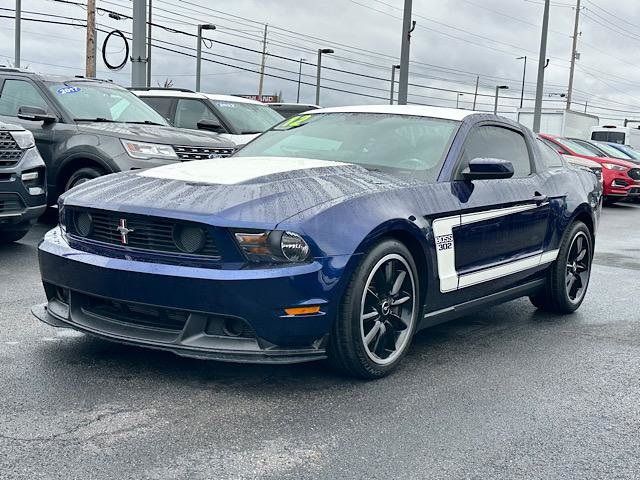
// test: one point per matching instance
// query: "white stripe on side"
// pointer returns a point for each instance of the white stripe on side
(446, 251)
(507, 269)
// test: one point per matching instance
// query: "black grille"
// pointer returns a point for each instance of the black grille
(635, 173)
(135, 313)
(10, 152)
(10, 203)
(145, 232)
(186, 152)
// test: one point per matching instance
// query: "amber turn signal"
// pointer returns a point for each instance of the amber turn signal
(302, 310)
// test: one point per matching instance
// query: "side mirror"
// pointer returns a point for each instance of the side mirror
(36, 114)
(211, 126)
(488, 169)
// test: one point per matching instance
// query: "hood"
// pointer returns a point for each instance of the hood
(154, 134)
(242, 191)
(239, 140)
(10, 126)
(583, 162)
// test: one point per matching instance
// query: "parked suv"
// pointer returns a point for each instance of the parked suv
(237, 119)
(85, 128)
(22, 183)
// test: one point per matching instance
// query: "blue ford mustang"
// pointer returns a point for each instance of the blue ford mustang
(337, 234)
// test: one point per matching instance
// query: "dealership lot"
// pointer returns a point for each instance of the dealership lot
(506, 393)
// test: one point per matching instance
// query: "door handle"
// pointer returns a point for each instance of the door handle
(540, 199)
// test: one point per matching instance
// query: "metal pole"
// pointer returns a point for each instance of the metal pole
(138, 47)
(495, 107)
(537, 112)
(149, 44)
(264, 59)
(403, 83)
(199, 58)
(585, 105)
(16, 61)
(524, 76)
(299, 80)
(475, 96)
(393, 83)
(457, 100)
(319, 67)
(573, 54)
(90, 63)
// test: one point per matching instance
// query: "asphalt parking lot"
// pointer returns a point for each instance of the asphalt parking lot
(507, 393)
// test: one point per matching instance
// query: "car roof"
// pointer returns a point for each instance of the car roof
(305, 105)
(414, 110)
(166, 92)
(53, 78)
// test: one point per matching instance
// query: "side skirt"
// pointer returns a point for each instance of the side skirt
(440, 316)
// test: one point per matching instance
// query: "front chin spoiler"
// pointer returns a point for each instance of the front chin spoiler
(276, 355)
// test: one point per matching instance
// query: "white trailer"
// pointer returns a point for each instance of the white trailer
(564, 123)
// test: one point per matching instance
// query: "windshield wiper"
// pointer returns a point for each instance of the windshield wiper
(147, 122)
(96, 119)
(250, 132)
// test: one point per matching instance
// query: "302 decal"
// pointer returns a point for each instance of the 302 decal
(444, 242)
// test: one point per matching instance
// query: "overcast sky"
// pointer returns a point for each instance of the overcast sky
(454, 41)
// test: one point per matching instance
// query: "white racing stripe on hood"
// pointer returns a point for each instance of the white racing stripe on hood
(229, 171)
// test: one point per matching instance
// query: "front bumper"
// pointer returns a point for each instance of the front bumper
(77, 281)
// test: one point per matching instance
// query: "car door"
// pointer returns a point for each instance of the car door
(18, 92)
(500, 234)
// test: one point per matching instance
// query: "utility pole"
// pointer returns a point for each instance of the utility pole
(138, 47)
(407, 28)
(475, 95)
(319, 69)
(264, 60)
(458, 99)
(207, 26)
(300, 79)
(498, 88)
(574, 54)
(90, 70)
(393, 82)
(524, 76)
(149, 45)
(542, 57)
(16, 61)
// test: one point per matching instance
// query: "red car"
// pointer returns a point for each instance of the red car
(621, 178)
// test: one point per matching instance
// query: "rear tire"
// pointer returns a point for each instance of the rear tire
(378, 313)
(81, 176)
(568, 277)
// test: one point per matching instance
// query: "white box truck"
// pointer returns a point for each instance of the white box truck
(616, 134)
(565, 123)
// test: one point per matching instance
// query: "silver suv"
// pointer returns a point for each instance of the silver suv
(23, 194)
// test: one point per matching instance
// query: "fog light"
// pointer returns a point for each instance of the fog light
(189, 239)
(83, 224)
(26, 177)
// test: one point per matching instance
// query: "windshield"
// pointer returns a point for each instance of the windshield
(404, 145)
(612, 151)
(579, 148)
(103, 102)
(634, 154)
(247, 118)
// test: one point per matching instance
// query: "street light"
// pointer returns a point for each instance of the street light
(206, 26)
(458, 99)
(498, 88)
(524, 75)
(300, 78)
(393, 81)
(320, 52)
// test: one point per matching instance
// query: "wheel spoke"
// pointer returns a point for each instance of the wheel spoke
(373, 294)
(579, 243)
(398, 283)
(372, 333)
(570, 282)
(388, 273)
(370, 315)
(581, 255)
(400, 301)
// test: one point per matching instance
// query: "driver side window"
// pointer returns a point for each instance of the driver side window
(19, 93)
(501, 143)
(189, 112)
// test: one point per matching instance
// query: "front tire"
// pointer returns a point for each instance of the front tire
(81, 176)
(378, 313)
(568, 277)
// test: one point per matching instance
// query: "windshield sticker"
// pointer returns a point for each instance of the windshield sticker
(294, 122)
(226, 105)
(65, 90)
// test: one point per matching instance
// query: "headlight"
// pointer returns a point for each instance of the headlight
(145, 151)
(612, 166)
(24, 139)
(273, 246)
